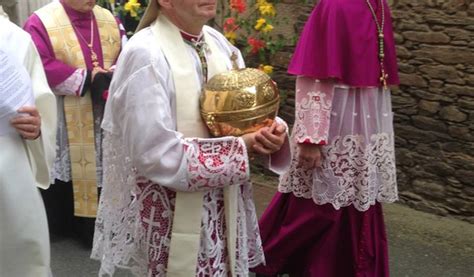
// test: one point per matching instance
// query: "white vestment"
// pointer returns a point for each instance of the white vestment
(24, 165)
(146, 160)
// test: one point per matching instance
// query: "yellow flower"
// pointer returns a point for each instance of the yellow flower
(231, 36)
(259, 24)
(267, 28)
(267, 9)
(132, 7)
(266, 68)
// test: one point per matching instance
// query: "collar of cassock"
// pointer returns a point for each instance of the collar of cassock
(198, 43)
(191, 38)
(76, 15)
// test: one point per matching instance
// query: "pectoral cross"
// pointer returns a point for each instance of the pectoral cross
(94, 59)
(383, 76)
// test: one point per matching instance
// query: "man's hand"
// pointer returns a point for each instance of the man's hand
(100, 85)
(28, 125)
(309, 155)
(267, 140)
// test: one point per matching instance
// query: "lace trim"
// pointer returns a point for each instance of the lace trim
(216, 163)
(133, 226)
(354, 172)
(313, 112)
(62, 163)
(73, 84)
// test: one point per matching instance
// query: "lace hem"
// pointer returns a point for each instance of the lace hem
(308, 139)
(353, 172)
(62, 163)
(133, 226)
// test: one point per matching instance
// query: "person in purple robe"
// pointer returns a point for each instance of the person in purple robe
(326, 218)
(79, 43)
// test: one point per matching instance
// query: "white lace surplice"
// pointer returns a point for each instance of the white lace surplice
(355, 124)
(146, 161)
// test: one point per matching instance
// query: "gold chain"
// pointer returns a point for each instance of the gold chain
(94, 58)
(380, 28)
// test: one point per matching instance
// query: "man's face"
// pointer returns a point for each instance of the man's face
(81, 5)
(195, 10)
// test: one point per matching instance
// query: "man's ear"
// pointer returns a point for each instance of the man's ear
(167, 4)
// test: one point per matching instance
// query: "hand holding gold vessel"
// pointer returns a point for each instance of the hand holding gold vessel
(270, 139)
(266, 140)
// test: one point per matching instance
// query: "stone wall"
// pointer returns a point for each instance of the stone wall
(434, 105)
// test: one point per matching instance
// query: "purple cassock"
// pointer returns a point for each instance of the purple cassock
(68, 80)
(327, 220)
(339, 41)
(56, 71)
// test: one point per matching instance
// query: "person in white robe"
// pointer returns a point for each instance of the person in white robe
(20, 10)
(176, 202)
(27, 155)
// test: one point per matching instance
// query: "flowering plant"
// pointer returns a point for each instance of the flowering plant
(250, 24)
(128, 11)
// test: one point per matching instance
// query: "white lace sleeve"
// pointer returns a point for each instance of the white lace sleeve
(214, 163)
(358, 164)
(313, 111)
(73, 84)
(141, 107)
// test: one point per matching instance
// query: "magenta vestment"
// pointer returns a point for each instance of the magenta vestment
(328, 221)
